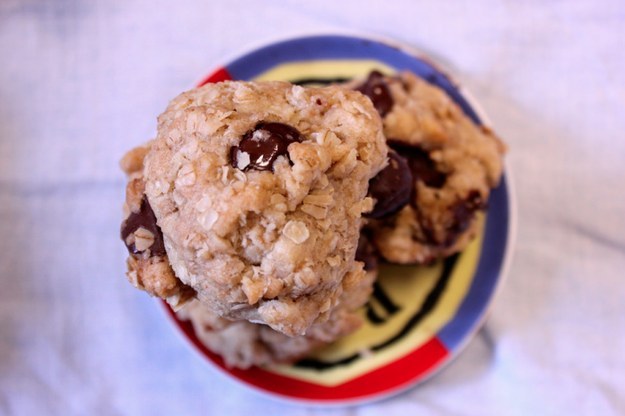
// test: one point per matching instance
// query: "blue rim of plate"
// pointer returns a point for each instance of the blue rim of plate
(499, 227)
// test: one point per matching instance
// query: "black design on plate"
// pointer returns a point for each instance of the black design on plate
(385, 302)
(321, 81)
(428, 305)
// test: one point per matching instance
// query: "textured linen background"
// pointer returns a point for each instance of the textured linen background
(82, 81)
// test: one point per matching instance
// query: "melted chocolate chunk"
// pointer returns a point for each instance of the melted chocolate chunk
(366, 252)
(421, 165)
(391, 188)
(260, 147)
(145, 218)
(378, 92)
(463, 213)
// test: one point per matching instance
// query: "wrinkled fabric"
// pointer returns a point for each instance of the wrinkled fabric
(82, 81)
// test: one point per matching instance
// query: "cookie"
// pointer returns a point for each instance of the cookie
(259, 189)
(147, 264)
(244, 344)
(441, 170)
(240, 343)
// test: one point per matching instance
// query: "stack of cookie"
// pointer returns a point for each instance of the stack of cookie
(260, 210)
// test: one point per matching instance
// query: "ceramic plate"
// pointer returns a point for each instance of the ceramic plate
(418, 318)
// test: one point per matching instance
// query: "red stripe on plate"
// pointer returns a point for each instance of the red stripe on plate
(395, 375)
(219, 75)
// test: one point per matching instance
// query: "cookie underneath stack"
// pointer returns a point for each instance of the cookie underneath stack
(445, 164)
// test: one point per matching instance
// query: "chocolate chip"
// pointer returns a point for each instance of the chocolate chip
(421, 165)
(391, 187)
(378, 92)
(463, 212)
(260, 147)
(146, 219)
(366, 252)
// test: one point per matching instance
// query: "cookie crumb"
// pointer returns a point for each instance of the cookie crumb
(334, 260)
(243, 160)
(296, 231)
(315, 211)
(186, 176)
(320, 200)
(208, 220)
(143, 239)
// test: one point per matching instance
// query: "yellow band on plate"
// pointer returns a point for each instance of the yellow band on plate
(330, 69)
(407, 287)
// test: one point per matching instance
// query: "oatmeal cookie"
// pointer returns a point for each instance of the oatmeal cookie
(241, 343)
(258, 189)
(442, 168)
(244, 344)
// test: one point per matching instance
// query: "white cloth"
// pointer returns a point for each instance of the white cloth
(81, 81)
